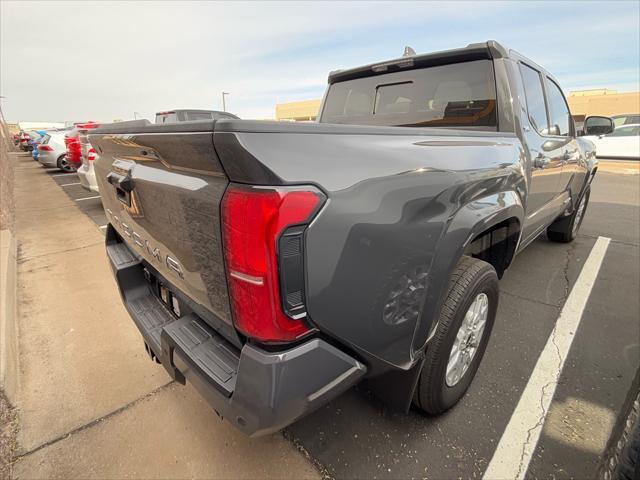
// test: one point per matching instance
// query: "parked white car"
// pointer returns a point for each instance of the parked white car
(86, 173)
(623, 142)
(52, 152)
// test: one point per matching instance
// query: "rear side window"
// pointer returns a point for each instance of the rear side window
(558, 110)
(535, 98)
(457, 95)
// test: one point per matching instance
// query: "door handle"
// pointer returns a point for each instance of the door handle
(120, 181)
(123, 186)
(540, 161)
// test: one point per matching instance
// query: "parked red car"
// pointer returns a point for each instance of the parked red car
(24, 141)
(72, 141)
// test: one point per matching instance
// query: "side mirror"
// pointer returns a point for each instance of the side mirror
(597, 125)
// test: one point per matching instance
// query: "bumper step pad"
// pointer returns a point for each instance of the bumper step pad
(151, 317)
(201, 348)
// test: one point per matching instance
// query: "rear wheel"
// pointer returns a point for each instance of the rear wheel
(566, 229)
(461, 337)
(63, 164)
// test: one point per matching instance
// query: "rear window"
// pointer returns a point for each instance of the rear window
(170, 117)
(457, 95)
(192, 116)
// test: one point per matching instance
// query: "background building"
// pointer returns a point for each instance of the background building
(602, 102)
(306, 110)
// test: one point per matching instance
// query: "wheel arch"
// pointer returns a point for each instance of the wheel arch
(500, 212)
(494, 226)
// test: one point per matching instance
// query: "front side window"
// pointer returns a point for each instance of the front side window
(535, 99)
(628, 131)
(456, 95)
(558, 110)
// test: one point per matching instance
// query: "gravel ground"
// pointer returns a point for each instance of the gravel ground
(8, 430)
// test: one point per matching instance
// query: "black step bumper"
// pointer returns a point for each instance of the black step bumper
(258, 391)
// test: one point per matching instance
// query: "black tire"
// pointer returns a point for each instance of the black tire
(65, 167)
(629, 466)
(470, 278)
(563, 230)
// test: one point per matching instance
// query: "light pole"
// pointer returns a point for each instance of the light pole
(224, 105)
(135, 115)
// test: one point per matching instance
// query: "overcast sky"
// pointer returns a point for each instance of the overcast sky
(104, 60)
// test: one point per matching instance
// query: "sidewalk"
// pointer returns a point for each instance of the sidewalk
(91, 404)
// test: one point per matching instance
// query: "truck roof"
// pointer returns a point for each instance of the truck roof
(195, 110)
(474, 51)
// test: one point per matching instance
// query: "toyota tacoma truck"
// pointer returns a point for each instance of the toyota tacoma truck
(275, 265)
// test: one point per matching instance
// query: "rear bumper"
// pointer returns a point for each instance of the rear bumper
(47, 160)
(258, 391)
(87, 176)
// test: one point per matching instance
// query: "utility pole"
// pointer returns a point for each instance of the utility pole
(224, 105)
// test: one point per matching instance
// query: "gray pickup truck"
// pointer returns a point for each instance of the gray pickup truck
(275, 265)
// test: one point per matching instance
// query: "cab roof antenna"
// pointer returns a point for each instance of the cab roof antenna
(408, 52)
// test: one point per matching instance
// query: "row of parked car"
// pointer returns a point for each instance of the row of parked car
(69, 149)
(65, 148)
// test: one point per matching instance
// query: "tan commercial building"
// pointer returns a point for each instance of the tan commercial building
(306, 110)
(602, 102)
(582, 103)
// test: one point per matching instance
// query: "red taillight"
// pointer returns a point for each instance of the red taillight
(92, 154)
(252, 220)
(45, 148)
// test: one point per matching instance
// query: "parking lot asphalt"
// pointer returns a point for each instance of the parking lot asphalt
(356, 436)
(88, 202)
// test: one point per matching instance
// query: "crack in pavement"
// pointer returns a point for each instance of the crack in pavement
(22, 260)
(92, 422)
(565, 272)
(613, 240)
(543, 411)
(532, 300)
(524, 458)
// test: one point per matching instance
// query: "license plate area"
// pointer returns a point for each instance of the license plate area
(170, 300)
(163, 292)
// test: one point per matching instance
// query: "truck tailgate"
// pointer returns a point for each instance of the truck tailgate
(162, 191)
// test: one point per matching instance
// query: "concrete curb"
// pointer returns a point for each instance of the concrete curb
(8, 315)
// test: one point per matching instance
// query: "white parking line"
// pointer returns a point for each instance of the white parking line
(86, 198)
(518, 443)
(102, 227)
(69, 184)
(64, 174)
